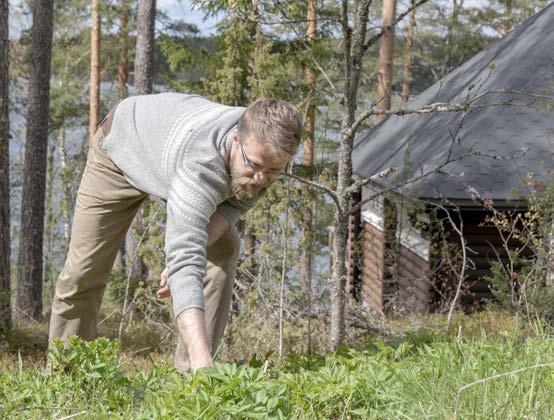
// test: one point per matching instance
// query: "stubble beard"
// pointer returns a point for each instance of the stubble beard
(243, 189)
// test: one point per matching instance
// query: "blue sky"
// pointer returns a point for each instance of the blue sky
(178, 9)
(181, 9)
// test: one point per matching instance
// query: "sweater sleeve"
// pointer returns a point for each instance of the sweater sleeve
(233, 208)
(193, 195)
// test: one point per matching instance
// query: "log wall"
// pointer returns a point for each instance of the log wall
(371, 273)
(414, 287)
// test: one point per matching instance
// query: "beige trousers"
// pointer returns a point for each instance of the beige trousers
(105, 207)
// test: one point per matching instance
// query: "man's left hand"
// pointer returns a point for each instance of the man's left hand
(216, 228)
(164, 287)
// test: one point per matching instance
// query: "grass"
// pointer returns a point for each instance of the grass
(423, 374)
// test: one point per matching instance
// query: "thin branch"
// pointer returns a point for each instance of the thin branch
(313, 184)
(358, 184)
(445, 107)
(490, 378)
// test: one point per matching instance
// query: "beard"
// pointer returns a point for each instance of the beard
(244, 189)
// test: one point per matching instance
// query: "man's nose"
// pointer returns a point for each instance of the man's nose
(260, 178)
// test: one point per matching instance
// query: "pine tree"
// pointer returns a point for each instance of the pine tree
(407, 76)
(386, 56)
(143, 80)
(95, 68)
(29, 267)
(144, 58)
(5, 291)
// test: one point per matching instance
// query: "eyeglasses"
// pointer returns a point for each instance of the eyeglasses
(249, 164)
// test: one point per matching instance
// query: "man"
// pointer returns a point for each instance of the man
(210, 163)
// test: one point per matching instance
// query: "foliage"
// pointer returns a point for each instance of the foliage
(421, 375)
(521, 275)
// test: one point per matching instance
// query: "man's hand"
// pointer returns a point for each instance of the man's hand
(217, 227)
(164, 287)
(192, 326)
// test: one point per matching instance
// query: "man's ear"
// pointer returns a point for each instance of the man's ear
(235, 136)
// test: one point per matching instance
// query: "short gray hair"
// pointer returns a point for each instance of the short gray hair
(274, 122)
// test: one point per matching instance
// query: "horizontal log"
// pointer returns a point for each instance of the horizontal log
(411, 268)
(372, 240)
(373, 300)
(420, 283)
(372, 284)
(372, 272)
(373, 256)
(372, 260)
(414, 284)
(373, 287)
(413, 257)
(370, 231)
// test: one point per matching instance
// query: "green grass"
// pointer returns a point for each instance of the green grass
(422, 375)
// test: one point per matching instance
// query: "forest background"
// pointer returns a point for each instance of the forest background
(71, 61)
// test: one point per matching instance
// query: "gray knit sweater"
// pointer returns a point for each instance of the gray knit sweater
(174, 146)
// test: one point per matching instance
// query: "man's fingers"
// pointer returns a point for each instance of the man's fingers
(163, 292)
(164, 288)
(163, 278)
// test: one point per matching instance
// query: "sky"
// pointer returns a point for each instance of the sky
(181, 9)
(177, 9)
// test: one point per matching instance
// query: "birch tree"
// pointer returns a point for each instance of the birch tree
(29, 266)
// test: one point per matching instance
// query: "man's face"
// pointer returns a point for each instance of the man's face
(253, 170)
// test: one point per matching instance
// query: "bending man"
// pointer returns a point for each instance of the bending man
(210, 163)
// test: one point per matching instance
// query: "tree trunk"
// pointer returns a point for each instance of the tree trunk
(353, 47)
(29, 268)
(386, 56)
(5, 293)
(307, 219)
(67, 196)
(123, 76)
(340, 239)
(135, 263)
(49, 215)
(96, 31)
(310, 81)
(408, 58)
(122, 71)
(144, 63)
(249, 235)
(144, 59)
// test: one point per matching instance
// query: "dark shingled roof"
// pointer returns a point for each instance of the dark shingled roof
(523, 60)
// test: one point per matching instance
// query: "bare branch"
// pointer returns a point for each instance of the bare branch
(359, 184)
(436, 108)
(313, 184)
